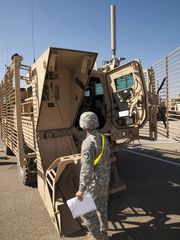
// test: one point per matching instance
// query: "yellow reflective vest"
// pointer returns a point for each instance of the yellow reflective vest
(101, 153)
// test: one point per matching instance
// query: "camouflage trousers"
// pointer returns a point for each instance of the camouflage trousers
(97, 221)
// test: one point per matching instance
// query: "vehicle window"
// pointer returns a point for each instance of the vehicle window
(95, 89)
(124, 82)
(98, 89)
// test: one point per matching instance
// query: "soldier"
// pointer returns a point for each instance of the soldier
(95, 175)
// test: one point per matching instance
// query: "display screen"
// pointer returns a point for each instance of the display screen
(124, 82)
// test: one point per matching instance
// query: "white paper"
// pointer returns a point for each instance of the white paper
(124, 113)
(79, 208)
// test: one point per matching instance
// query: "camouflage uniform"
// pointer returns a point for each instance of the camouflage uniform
(95, 179)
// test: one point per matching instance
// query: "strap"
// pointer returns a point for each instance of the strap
(100, 155)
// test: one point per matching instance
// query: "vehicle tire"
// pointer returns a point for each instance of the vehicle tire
(8, 151)
(28, 174)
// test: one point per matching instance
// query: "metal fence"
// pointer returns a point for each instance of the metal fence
(166, 73)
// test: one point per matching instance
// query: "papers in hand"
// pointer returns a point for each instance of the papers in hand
(79, 208)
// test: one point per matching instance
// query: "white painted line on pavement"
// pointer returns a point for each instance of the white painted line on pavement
(158, 142)
(156, 158)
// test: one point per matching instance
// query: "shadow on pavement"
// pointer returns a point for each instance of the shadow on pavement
(150, 207)
(7, 163)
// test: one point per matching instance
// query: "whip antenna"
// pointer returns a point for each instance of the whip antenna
(113, 31)
(32, 26)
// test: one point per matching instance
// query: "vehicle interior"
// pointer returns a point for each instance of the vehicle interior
(94, 100)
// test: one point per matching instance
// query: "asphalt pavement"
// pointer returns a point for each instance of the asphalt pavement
(148, 209)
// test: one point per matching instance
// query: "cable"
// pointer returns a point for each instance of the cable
(32, 28)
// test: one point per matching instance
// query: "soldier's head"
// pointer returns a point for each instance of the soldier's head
(89, 121)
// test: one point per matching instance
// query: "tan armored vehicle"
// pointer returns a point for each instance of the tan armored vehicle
(40, 110)
(40, 122)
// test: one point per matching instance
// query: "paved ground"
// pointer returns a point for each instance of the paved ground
(148, 210)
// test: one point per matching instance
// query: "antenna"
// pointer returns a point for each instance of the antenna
(32, 25)
(113, 31)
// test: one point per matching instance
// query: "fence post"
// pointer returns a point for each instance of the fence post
(153, 105)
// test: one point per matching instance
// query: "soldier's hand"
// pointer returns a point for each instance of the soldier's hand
(79, 195)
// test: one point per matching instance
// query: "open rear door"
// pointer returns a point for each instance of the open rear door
(67, 75)
(128, 96)
(61, 89)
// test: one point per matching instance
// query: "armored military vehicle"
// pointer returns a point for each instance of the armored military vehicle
(40, 109)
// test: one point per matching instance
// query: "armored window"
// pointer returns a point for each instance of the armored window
(124, 82)
(98, 89)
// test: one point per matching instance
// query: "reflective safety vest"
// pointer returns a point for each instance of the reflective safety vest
(101, 153)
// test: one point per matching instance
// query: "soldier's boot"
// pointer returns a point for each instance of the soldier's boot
(97, 237)
(104, 236)
(93, 237)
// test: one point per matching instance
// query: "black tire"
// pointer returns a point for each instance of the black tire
(8, 151)
(28, 174)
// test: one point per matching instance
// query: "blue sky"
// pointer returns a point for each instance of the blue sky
(147, 30)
